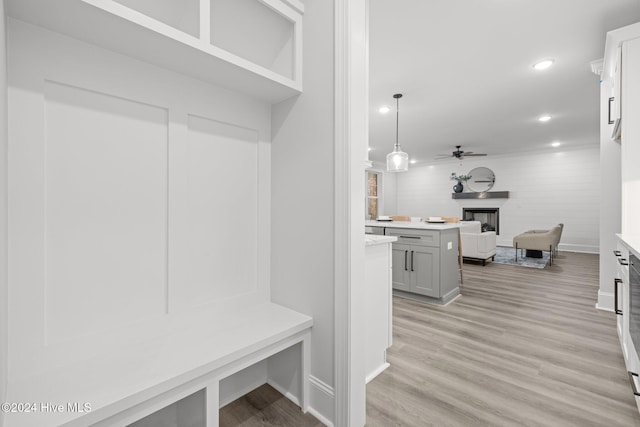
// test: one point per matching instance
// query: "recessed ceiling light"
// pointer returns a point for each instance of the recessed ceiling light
(555, 144)
(384, 110)
(544, 118)
(543, 65)
(412, 161)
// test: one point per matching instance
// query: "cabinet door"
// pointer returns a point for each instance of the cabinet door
(401, 273)
(425, 265)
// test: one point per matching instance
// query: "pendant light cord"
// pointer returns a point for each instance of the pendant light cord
(397, 121)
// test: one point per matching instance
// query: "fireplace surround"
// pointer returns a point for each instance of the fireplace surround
(488, 217)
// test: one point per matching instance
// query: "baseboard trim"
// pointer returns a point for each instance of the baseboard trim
(605, 301)
(283, 391)
(242, 392)
(563, 247)
(377, 372)
(322, 400)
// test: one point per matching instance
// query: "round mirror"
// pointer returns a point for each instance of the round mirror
(482, 179)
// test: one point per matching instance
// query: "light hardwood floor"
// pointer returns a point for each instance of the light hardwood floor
(265, 406)
(520, 347)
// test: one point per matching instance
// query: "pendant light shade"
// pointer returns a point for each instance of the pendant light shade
(397, 160)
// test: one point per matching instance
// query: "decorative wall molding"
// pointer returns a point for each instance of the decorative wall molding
(322, 401)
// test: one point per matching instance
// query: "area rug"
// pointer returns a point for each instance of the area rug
(506, 255)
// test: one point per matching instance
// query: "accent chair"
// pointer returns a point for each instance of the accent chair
(539, 240)
(476, 244)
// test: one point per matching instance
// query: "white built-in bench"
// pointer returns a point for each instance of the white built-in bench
(183, 363)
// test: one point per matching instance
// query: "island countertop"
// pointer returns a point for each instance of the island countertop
(411, 224)
(632, 241)
(373, 239)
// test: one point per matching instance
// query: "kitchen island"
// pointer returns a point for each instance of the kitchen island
(424, 259)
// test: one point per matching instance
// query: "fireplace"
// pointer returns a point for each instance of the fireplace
(488, 217)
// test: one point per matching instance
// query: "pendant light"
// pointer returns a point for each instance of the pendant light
(397, 160)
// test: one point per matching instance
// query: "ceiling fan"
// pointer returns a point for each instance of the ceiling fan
(459, 154)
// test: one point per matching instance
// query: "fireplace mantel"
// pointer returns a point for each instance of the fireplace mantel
(483, 195)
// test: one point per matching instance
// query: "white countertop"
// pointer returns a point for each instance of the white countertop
(411, 224)
(374, 239)
(632, 241)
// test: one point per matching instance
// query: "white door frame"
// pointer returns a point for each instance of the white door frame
(351, 135)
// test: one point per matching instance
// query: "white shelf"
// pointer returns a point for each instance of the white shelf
(174, 357)
(112, 25)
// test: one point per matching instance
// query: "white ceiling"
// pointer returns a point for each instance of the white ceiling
(465, 69)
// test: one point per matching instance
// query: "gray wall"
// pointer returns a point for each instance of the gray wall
(3, 212)
(302, 165)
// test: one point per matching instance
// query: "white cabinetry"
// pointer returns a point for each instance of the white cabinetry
(128, 260)
(621, 84)
(378, 304)
(250, 46)
(621, 297)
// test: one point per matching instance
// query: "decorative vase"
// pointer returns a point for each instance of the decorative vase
(458, 187)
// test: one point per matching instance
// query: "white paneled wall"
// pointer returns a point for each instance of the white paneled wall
(136, 194)
(545, 188)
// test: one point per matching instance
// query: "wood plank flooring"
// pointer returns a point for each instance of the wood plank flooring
(265, 406)
(520, 347)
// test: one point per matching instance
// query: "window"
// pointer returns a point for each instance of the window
(373, 182)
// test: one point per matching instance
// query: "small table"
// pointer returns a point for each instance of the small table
(532, 253)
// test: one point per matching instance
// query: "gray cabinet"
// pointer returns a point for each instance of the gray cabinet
(401, 267)
(416, 269)
(425, 263)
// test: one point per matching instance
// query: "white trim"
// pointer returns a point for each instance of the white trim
(283, 391)
(4, 203)
(605, 301)
(380, 369)
(320, 418)
(350, 121)
(246, 390)
(342, 193)
(321, 386)
(323, 398)
(563, 247)
(296, 4)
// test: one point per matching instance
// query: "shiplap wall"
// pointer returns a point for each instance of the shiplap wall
(545, 188)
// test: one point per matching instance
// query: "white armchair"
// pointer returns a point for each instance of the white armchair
(476, 244)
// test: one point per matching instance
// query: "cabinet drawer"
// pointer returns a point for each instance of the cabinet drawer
(623, 270)
(415, 237)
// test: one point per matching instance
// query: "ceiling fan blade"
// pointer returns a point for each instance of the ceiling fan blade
(474, 154)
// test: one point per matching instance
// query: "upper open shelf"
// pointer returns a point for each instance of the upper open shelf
(249, 46)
